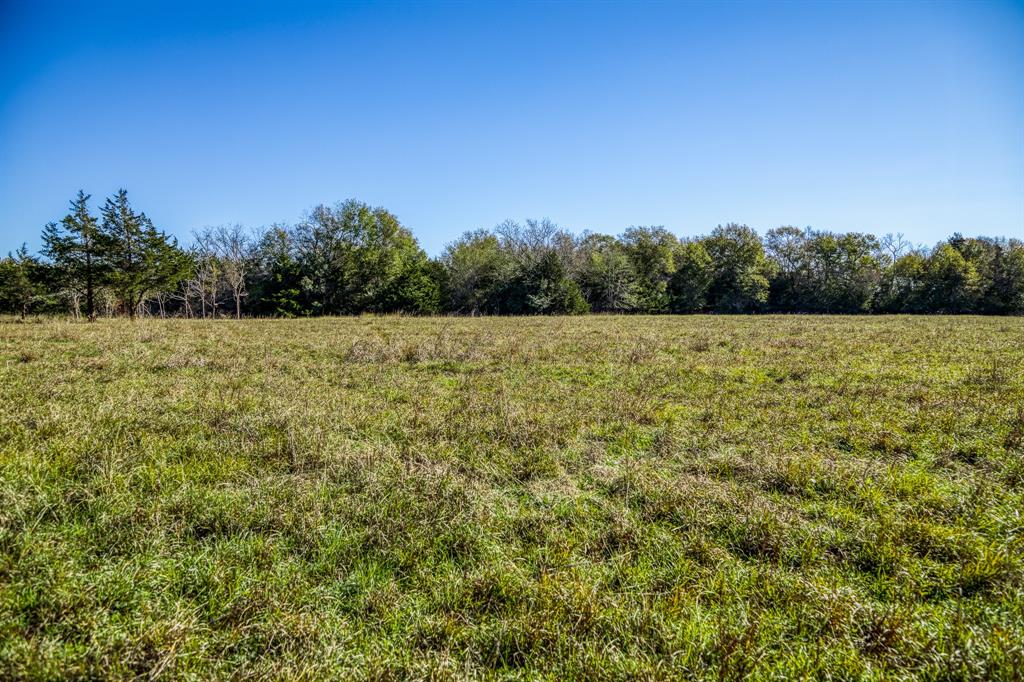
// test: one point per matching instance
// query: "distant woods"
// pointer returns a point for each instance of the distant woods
(352, 258)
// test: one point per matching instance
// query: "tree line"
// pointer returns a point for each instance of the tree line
(352, 258)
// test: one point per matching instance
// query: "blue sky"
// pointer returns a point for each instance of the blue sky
(878, 117)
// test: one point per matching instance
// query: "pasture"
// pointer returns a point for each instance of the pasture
(603, 497)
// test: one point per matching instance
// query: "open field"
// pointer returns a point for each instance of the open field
(606, 497)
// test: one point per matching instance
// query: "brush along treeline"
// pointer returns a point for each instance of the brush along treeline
(607, 497)
(352, 258)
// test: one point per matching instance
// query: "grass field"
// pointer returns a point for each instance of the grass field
(601, 497)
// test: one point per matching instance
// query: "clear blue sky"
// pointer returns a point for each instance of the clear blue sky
(875, 116)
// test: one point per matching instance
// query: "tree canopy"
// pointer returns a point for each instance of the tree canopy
(350, 258)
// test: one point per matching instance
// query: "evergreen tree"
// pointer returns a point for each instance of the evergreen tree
(24, 282)
(141, 259)
(76, 249)
(277, 280)
(548, 291)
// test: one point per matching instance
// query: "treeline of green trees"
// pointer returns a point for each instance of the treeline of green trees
(352, 258)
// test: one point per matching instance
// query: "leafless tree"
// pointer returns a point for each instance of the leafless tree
(527, 242)
(234, 249)
(223, 257)
(75, 299)
(205, 281)
(895, 245)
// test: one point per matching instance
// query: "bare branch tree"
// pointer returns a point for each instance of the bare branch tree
(895, 245)
(233, 247)
(223, 260)
(204, 284)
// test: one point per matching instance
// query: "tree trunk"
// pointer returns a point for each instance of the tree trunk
(89, 311)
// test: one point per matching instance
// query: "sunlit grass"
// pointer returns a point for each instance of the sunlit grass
(601, 497)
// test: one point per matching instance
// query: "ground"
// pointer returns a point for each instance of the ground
(600, 497)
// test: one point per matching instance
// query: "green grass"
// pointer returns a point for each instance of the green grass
(602, 497)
